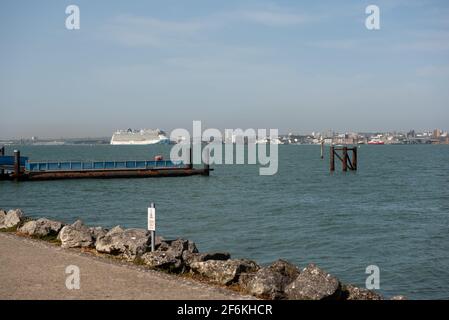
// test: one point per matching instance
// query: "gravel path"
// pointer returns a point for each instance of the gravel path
(33, 269)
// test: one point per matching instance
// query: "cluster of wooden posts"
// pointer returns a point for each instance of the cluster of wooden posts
(347, 162)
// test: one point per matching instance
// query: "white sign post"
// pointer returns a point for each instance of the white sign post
(152, 224)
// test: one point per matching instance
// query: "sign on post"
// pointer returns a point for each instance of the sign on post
(152, 224)
(152, 219)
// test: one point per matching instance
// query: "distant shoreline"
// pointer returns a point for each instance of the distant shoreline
(107, 143)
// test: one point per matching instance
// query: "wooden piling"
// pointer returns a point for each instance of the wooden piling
(16, 165)
(206, 163)
(354, 158)
(322, 147)
(2, 153)
(332, 158)
(345, 159)
(347, 162)
(190, 158)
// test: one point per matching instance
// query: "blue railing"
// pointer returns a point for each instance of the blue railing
(9, 160)
(100, 165)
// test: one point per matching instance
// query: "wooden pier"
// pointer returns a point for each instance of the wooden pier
(19, 168)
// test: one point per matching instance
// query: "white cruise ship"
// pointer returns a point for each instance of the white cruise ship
(139, 137)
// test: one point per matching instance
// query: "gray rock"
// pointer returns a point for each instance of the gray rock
(175, 247)
(116, 229)
(223, 272)
(41, 227)
(178, 248)
(158, 241)
(314, 284)
(350, 292)
(190, 257)
(98, 232)
(162, 260)
(286, 269)
(76, 235)
(32, 228)
(192, 247)
(129, 243)
(2, 219)
(13, 218)
(264, 283)
(270, 282)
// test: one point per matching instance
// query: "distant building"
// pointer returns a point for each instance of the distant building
(436, 133)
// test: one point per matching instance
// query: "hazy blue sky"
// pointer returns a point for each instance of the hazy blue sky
(294, 65)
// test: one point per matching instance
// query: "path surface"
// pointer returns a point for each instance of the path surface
(32, 269)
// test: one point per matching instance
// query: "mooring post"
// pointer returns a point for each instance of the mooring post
(345, 159)
(354, 158)
(206, 162)
(152, 224)
(332, 158)
(2, 153)
(190, 158)
(16, 165)
(322, 147)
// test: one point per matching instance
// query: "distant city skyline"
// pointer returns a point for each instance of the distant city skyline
(438, 132)
(292, 65)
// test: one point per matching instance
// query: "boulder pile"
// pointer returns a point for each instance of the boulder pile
(280, 280)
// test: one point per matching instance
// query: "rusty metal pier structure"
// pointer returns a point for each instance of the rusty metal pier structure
(346, 161)
(19, 168)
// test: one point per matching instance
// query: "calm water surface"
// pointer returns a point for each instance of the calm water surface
(394, 212)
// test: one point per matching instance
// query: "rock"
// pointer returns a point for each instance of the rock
(190, 257)
(129, 243)
(270, 282)
(176, 247)
(2, 219)
(32, 228)
(192, 247)
(399, 298)
(350, 292)
(13, 218)
(116, 229)
(162, 260)
(158, 241)
(285, 268)
(223, 272)
(314, 284)
(169, 254)
(41, 227)
(76, 235)
(265, 283)
(98, 232)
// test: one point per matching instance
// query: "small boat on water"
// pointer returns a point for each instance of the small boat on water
(375, 141)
